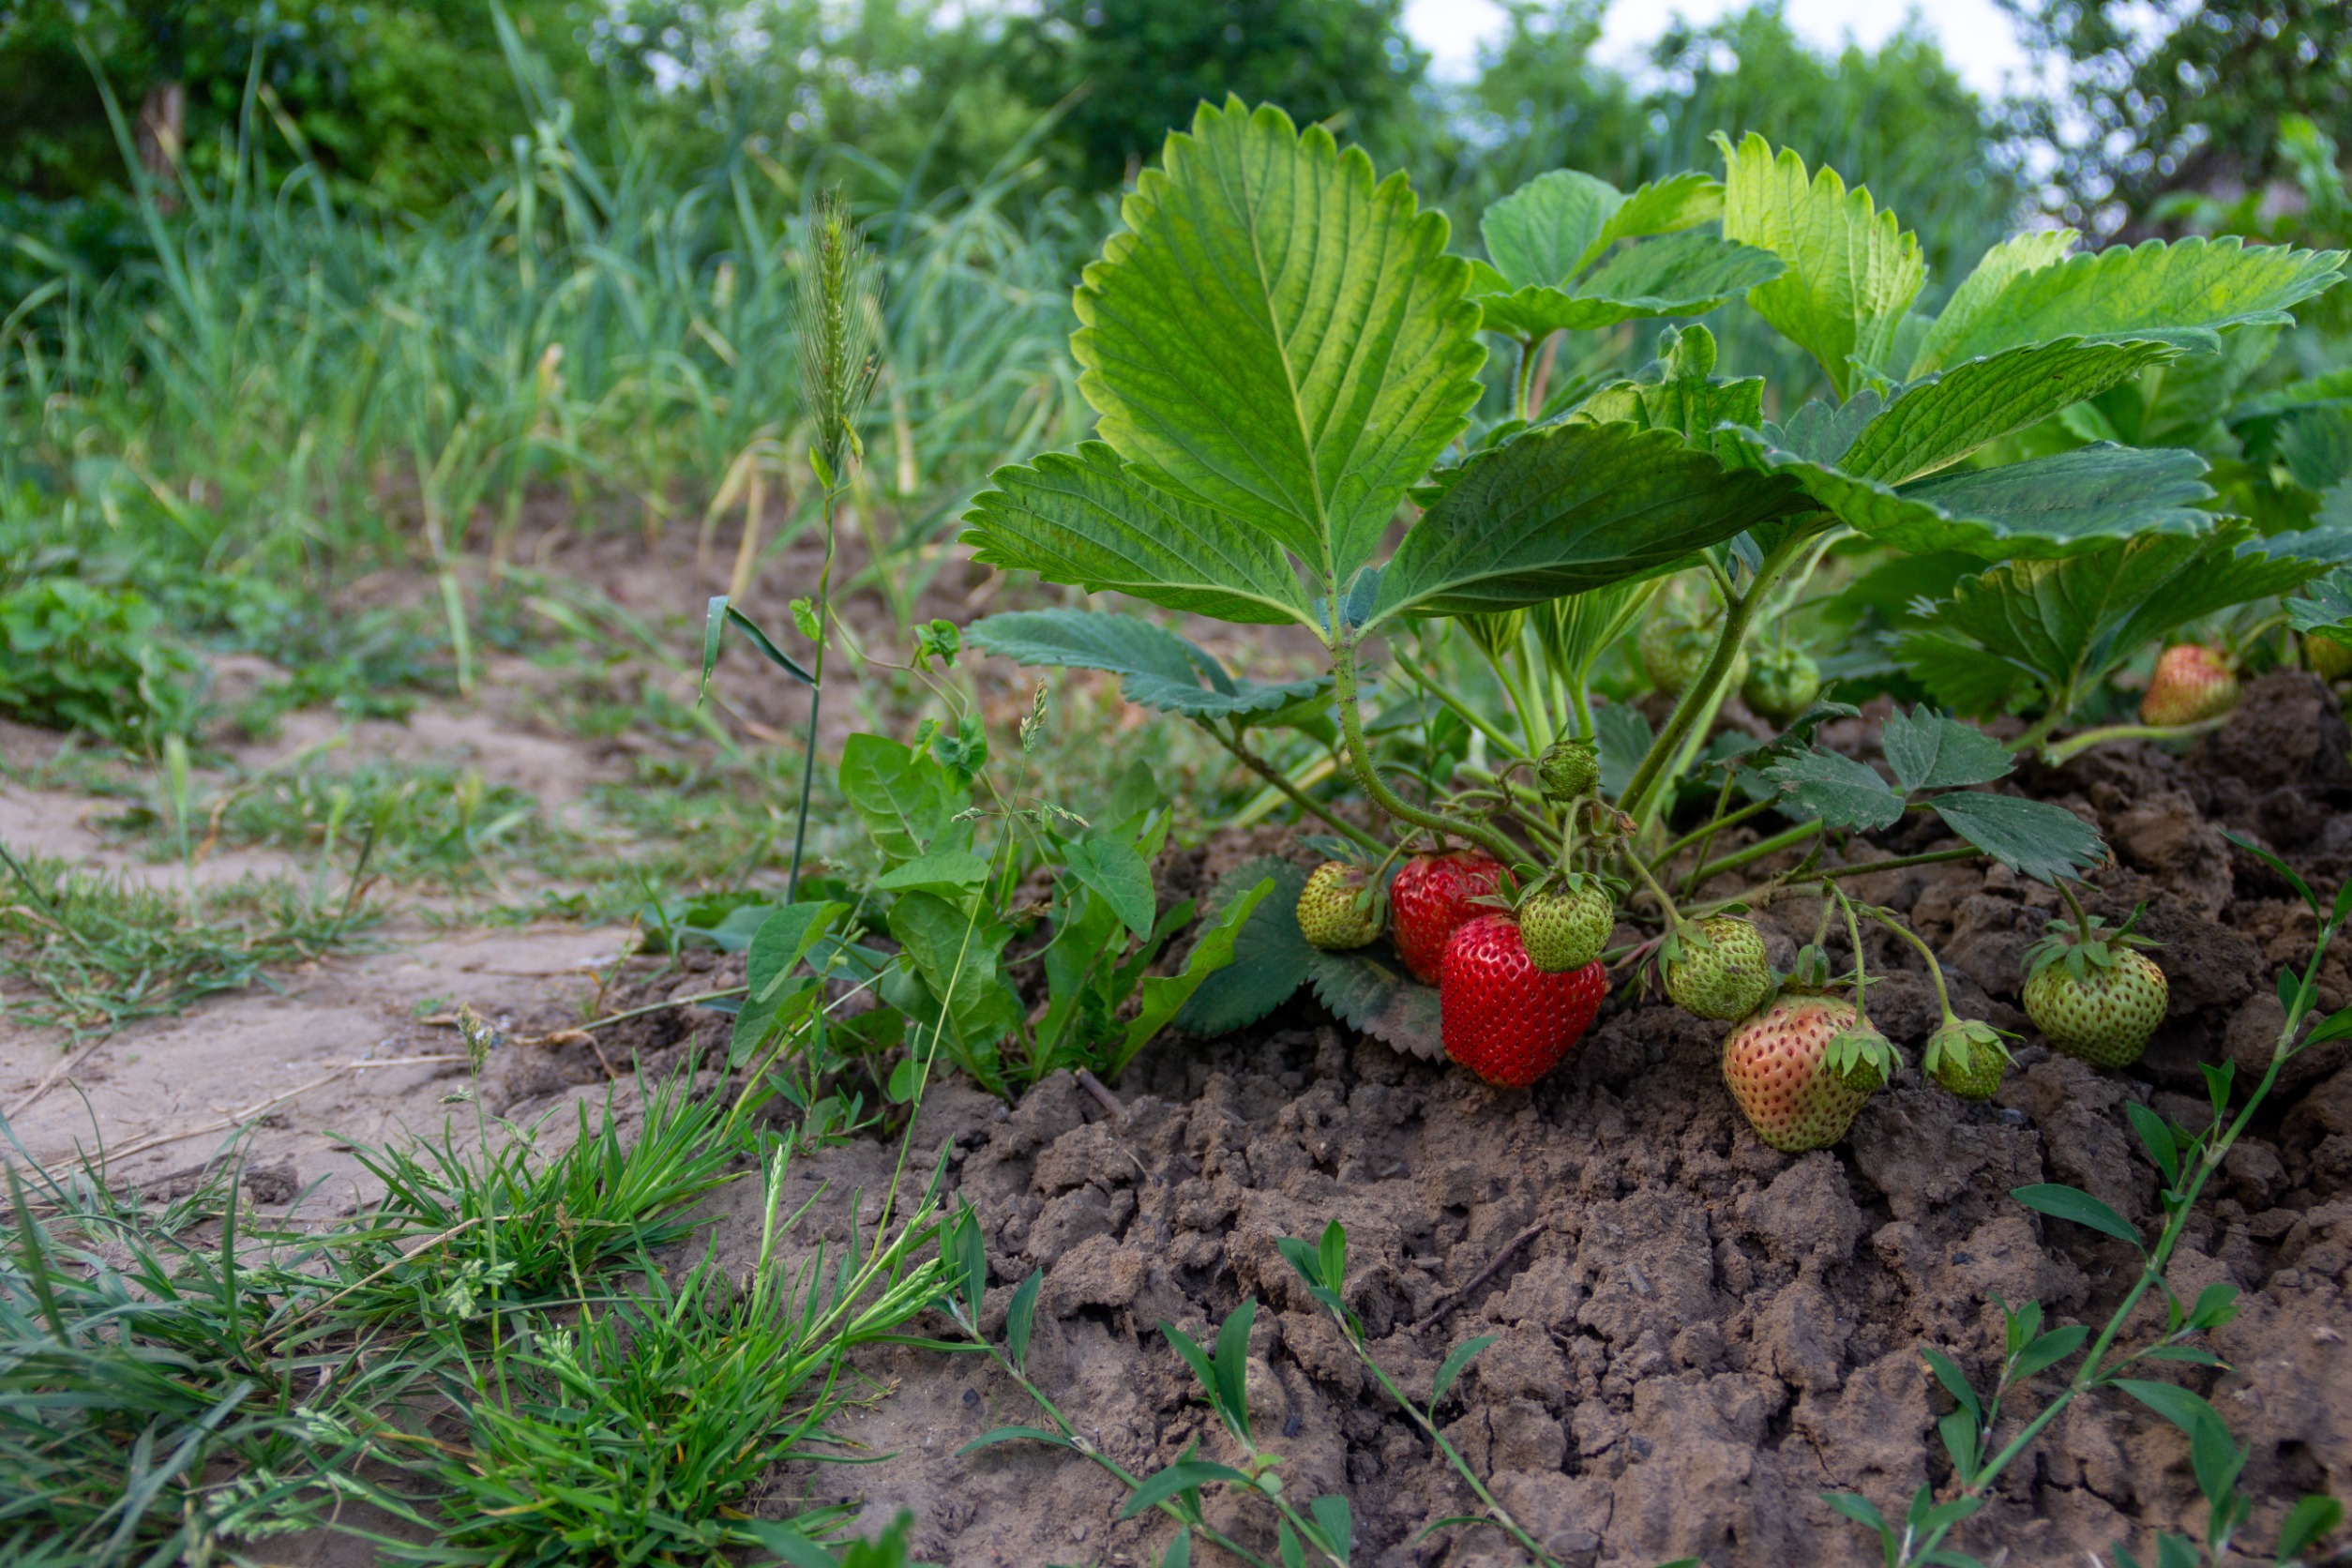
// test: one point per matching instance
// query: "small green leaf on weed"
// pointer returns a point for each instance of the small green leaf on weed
(1183, 1476)
(2071, 1203)
(1018, 1316)
(1456, 1363)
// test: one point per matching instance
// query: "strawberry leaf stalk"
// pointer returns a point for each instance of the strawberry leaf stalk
(2092, 992)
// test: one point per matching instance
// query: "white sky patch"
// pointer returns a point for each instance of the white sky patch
(1976, 37)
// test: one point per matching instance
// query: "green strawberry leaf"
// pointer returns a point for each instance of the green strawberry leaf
(1551, 228)
(2062, 626)
(2325, 608)
(1935, 423)
(2044, 507)
(1370, 989)
(2032, 838)
(1089, 520)
(1853, 272)
(2029, 290)
(1270, 956)
(1158, 669)
(1832, 786)
(1278, 335)
(1677, 392)
(1929, 751)
(1565, 509)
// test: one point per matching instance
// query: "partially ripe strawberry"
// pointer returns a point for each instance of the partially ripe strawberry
(1430, 898)
(2326, 658)
(1502, 1018)
(1337, 909)
(1717, 969)
(1566, 922)
(2192, 683)
(1967, 1057)
(1782, 684)
(1801, 1068)
(1569, 768)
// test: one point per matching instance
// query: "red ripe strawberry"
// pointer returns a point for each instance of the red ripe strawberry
(1502, 1018)
(2192, 683)
(1431, 897)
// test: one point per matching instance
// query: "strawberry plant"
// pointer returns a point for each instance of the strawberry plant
(1288, 362)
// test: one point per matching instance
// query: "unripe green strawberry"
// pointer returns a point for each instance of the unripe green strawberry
(2105, 1014)
(1336, 910)
(1967, 1057)
(2326, 658)
(1570, 769)
(1782, 684)
(1676, 642)
(1566, 923)
(1717, 969)
(2091, 995)
(1800, 1069)
(2192, 683)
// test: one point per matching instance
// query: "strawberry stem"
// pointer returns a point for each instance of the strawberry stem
(1343, 670)
(1853, 934)
(2074, 746)
(2082, 921)
(1934, 971)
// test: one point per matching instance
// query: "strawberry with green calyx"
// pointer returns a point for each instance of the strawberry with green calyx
(2091, 992)
(2192, 683)
(1967, 1057)
(1800, 1069)
(1566, 919)
(1964, 1055)
(1432, 896)
(1501, 1017)
(2326, 658)
(1717, 968)
(1569, 769)
(1780, 683)
(1341, 907)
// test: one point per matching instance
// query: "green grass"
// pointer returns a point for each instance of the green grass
(87, 951)
(493, 1355)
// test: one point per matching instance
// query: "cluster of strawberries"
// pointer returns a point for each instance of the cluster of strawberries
(1519, 983)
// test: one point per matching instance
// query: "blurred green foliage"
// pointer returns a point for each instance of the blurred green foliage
(2179, 96)
(1136, 68)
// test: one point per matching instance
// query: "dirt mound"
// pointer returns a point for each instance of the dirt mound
(1699, 1335)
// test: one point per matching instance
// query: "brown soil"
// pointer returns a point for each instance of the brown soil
(1700, 1337)
(1702, 1334)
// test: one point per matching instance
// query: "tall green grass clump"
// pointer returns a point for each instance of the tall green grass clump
(276, 384)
